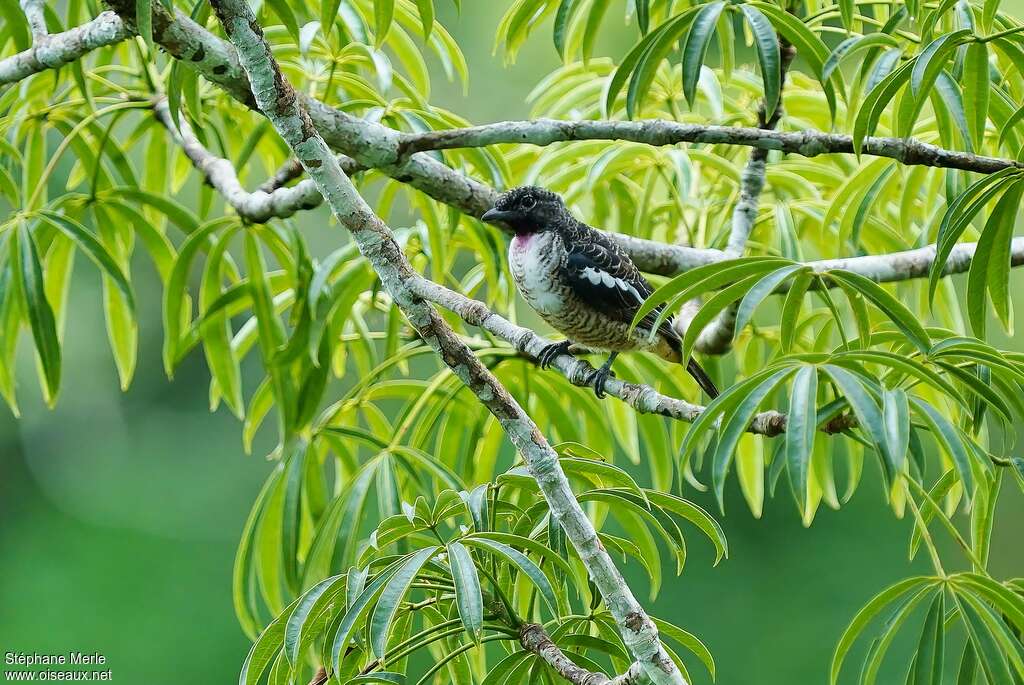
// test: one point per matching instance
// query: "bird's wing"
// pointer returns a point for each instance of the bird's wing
(604, 278)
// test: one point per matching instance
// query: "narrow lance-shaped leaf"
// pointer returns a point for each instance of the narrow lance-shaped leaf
(524, 564)
(930, 649)
(38, 309)
(976, 90)
(768, 56)
(896, 414)
(695, 49)
(468, 597)
(392, 596)
(800, 429)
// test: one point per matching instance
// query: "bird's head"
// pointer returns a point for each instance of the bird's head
(528, 209)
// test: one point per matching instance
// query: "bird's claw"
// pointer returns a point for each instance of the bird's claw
(598, 378)
(550, 352)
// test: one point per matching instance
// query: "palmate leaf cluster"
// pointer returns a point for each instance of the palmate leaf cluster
(449, 572)
(397, 521)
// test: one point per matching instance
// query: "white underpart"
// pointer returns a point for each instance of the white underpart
(531, 260)
(598, 277)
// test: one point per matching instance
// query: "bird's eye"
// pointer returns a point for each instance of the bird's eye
(529, 202)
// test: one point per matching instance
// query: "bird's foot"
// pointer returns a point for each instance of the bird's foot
(549, 352)
(598, 378)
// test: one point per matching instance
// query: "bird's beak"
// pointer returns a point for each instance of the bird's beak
(497, 215)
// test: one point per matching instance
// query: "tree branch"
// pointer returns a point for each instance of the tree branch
(53, 52)
(642, 398)
(660, 132)
(278, 100)
(397, 154)
(257, 207)
(35, 14)
(261, 206)
(896, 266)
(534, 639)
(287, 172)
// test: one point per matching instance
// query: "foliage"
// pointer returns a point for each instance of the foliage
(397, 518)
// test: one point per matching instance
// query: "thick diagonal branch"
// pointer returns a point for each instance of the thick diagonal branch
(277, 99)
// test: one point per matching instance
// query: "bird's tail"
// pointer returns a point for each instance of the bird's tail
(702, 378)
(673, 351)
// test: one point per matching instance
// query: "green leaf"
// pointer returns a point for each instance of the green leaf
(284, 12)
(930, 649)
(768, 56)
(959, 215)
(801, 427)
(867, 613)
(976, 90)
(875, 103)
(695, 515)
(867, 412)
(990, 268)
(897, 312)
(530, 545)
(695, 47)
(305, 607)
(92, 247)
(383, 14)
(468, 597)
(392, 596)
(948, 436)
(896, 415)
(689, 641)
(263, 650)
(175, 293)
(38, 309)
(144, 20)
(562, 17)
(426, 12)
(990, 654)
(340, 633)
(736, 422)
(524, 564)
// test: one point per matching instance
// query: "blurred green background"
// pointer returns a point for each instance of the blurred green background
(119, 513)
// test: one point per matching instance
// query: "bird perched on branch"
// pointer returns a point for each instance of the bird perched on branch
(582, 284)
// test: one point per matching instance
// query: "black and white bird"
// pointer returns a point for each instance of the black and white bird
(582, 284)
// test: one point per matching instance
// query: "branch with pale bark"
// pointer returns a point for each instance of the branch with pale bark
(642, 398)
(277, 100)
(54, 51)
(396, 154)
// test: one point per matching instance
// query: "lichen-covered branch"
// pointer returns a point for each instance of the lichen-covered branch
(660, 132)
(285, 174)
(278, 100)
(35, 13)
(54, 51)
(534, 639)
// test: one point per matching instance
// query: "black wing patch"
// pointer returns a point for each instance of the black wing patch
(605, 279)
